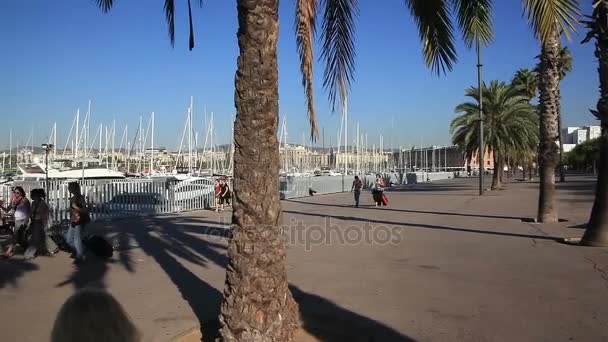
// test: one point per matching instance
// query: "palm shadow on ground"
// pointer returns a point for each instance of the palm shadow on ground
(426, 226)
(13, 269)
(443, 213)
(327, 321)
(202, 240)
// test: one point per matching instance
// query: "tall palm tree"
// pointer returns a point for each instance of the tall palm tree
(510, 125)
(550, 19)
(257, 304)
(596, 233)
(477, 31)
(527, 82)
(564, 67)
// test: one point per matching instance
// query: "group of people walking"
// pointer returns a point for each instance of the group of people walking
(377, 189)
(222, 193)
(31, 221)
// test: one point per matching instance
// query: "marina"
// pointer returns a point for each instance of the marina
(131, 176)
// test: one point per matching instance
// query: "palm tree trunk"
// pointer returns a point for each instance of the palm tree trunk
(257, 303)
(562, 172)
(548, 150)
(597, 228)
(496, 173)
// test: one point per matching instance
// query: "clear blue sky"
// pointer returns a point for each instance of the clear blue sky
(58, 54)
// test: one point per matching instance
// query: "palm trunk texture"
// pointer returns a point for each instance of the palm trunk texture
(257, 305)
(597, 229)
(548, 152)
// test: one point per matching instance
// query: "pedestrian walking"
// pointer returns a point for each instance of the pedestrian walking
(218, 195)
(38, 223)
(356, 188)
(20, 207)
(79, 217)
(378, 192)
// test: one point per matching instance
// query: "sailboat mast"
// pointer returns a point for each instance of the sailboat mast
(10, 149)
(100, 136)
(105, 150)
(151, 171)
(76, 138)
(113, 140)
(346, 135)
(190, 137)
(128, 149)
(358, 151)
(88, 122)
(54, 141)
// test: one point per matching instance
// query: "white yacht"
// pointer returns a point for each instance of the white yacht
(36, 172)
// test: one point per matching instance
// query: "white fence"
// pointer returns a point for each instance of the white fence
(125, 198)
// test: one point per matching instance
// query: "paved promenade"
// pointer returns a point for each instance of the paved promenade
(438, 264)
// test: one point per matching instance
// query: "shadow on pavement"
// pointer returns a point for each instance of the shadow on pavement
(90, 275)
(170, 241)
(13, 269)
(414, 211)
(428, 226)
(329, 322)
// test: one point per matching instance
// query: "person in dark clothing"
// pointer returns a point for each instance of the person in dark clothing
(38, 222)
(357, 186)
(227, 194)
(378, 191)
(79, 217)
(223, 193)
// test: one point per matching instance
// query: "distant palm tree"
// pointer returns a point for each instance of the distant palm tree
(527, 82)
(596, 233)
(565, 67)
(550, 19)
(510, 125)
(257, 303)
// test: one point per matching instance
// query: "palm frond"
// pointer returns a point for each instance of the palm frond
(475, 20)
(338, 50)
(436, 33)
(546, 16)
(191, 37)
(510, 123)
(170, 17)
(104, 5)
(305, 32)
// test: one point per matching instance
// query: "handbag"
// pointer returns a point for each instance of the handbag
(384, 199)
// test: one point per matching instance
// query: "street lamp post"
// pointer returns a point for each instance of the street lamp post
(481, 140)
(47, 148)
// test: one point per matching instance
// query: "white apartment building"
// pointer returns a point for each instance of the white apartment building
(572, 136)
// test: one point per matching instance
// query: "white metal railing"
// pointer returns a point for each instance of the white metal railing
(124, 198)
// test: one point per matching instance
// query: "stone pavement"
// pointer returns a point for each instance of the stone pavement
(438, 264)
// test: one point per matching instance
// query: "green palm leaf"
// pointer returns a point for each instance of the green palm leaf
(169, 9)
(545, 16)
(510, 123)
(436, 33)
(305, 31)
(475, 20)
(338, 49)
